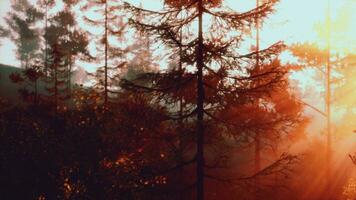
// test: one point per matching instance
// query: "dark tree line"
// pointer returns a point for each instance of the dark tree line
(141, 132)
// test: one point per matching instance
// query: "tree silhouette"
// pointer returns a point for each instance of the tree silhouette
(45, 6)
(147, 131)
(29, 79)
(23, 32)
(114, 27)
(65, 42)
(216, 78)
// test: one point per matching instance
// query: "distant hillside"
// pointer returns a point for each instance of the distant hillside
(8, 89)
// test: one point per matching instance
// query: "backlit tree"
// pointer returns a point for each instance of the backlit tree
(217, 76)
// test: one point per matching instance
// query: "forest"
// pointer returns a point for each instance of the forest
(177, 100)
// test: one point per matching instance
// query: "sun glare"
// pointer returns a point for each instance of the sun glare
(342, 27)
(145, 99)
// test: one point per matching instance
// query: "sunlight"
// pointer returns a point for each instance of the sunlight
(343, 27)
(178, 99)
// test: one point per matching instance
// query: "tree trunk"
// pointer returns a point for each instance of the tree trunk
(46, 43)
(180, 123)
(257, 138)
(106, 56)
(327, 103)
(200, 108)
(55, 88)
(258, 135)
(36, 92)
(70, 77)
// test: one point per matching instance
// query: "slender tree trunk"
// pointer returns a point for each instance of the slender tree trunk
(148, 48)
(36, 92)
(258, 135)
(106, 55)
(68, 60)
(200, 108)
(46, 43)
(327, 104)
(55, 88)
(257, 139)
(70, 77)
(180, 122)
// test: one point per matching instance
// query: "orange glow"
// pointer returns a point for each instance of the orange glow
(301, 24)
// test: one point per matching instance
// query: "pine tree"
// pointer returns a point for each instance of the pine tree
(111, 54)
(142, 60)
(217, 80)
(26, 34)
(23, 31)
(65, 42)
(29, 80)
(45, 7)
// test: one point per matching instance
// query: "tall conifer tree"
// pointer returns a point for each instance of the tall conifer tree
(218, 77)
(65, 42)
(23, 31)
(110, 54)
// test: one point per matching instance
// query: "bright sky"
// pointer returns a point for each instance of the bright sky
(294, 21)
